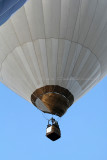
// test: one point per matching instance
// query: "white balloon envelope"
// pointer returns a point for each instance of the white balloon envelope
(53, 51)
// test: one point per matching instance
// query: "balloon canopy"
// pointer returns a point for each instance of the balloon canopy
(53, 51)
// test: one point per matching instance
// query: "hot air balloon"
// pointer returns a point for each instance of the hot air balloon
(54, 51)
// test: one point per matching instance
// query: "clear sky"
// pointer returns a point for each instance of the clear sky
(84, 128)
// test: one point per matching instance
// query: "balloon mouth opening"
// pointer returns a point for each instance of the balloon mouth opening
(52, 99)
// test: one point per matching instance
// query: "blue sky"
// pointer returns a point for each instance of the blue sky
(83, 128)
